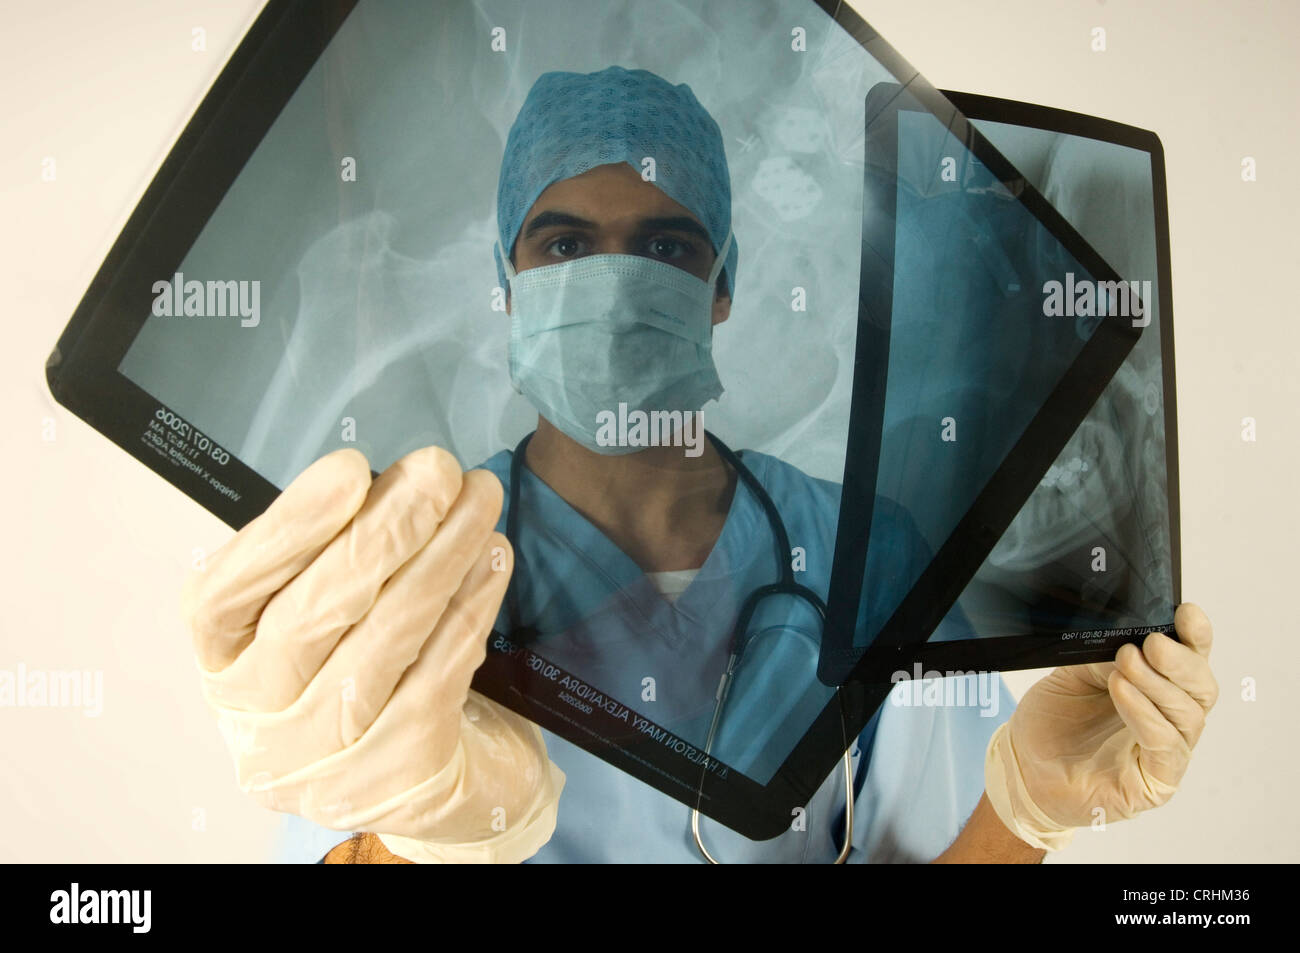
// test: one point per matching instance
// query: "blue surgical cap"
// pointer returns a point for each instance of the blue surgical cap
(572, 122)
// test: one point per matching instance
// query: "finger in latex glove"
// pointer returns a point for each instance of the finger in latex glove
(1104, 741)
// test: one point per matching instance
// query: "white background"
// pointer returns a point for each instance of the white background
(98, 546)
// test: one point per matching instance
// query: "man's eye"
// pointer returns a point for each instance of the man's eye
(565, 247)
(669, 248)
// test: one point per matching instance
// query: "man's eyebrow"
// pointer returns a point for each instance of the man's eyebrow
(675, 223)
(552, 219)
(679, 223)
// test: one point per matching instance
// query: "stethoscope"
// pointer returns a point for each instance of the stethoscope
(785, 586)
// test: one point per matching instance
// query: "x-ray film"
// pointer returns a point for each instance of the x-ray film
(315, 267)
(984, 311)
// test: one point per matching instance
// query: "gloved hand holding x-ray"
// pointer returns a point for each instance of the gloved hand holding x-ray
(337, 634)
(552, 262)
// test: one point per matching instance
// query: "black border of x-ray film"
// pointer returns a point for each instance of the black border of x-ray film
(1009, 653)
(256, 83)
(901, 643)
(261, 76)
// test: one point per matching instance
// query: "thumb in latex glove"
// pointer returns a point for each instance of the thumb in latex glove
(1115, 736)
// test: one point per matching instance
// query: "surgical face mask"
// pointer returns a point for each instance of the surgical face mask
(589, 335)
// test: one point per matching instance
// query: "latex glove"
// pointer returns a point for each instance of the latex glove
(337, 634)
(1115, 735)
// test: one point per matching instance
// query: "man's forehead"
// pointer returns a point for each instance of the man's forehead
(608, 192)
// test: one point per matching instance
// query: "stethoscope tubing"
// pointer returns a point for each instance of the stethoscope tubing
(786, 585)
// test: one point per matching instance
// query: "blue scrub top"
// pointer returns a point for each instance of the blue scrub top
(918, 768)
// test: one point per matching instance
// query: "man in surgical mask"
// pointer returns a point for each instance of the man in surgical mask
(614, 288)
(617, 253)
(664, 507)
